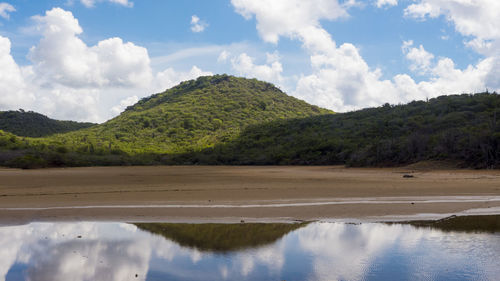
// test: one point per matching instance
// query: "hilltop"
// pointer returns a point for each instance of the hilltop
(32, 124)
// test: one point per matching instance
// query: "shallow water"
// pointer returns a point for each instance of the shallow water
(315, 251)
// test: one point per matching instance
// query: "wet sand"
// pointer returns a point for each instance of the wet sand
(222, 193)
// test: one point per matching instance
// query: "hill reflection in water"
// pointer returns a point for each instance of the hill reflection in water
(464, 223)
(220, 237)
(316, 251)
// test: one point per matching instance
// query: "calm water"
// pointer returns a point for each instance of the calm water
(316, 251)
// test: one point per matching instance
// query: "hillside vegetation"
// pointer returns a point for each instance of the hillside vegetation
(227, 120)
(463, 128)
(192, 116)
(32, 124)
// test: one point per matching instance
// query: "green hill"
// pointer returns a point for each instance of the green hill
(31, 124)
(227, 120)
(192, 116)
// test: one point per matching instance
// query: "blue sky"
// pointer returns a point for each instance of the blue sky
(89, 59)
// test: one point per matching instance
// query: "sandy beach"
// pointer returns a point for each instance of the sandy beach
(250, 193)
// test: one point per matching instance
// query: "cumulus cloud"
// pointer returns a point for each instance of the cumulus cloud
(223, 56)
(341, 79)
(62, 57)
(21, 91)
(14, 89)
(5, 9)
(91, 3)
(70, 80)
(271, 71)
(289, 18)
(170, 77)
(419, 57)
(117, 109)
(69, 104)
(197, 25)
(478, 19)
(386, 3)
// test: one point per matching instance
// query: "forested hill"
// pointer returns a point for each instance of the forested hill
(462, 128)
(194, 115)
(227, 120)
(31, 124)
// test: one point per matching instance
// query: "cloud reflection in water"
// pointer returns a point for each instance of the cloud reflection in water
(318, 251)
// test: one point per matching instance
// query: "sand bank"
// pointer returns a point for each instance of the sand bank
(222, 193)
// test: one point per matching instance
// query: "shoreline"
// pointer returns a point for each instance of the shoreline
(248, 193)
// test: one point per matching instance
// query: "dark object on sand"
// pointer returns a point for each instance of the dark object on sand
(407, 176)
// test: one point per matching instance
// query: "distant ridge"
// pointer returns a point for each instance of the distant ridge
(32, 124)
(461, 129)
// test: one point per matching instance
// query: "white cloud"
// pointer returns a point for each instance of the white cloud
(21, 91)
(70, 80)
(273, 57)
(5, 9)
(223, 56)
(14, 92)
(344, 82)
(170, 77)
(341, 79)
(386, 3)
(91, 3)
(69, 104)
(420, 11)
(117, 109)
(419, 57)
(445, 80)
(197, 25)
(245, 66)
(477, 18)
(62, 57)
(290, 18)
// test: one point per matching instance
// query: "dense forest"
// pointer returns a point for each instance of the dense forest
(224, 120)
(463, 128)
(32, 124)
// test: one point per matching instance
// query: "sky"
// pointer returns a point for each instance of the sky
(87, 60)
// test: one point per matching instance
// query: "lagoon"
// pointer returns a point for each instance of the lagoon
(247, 251)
